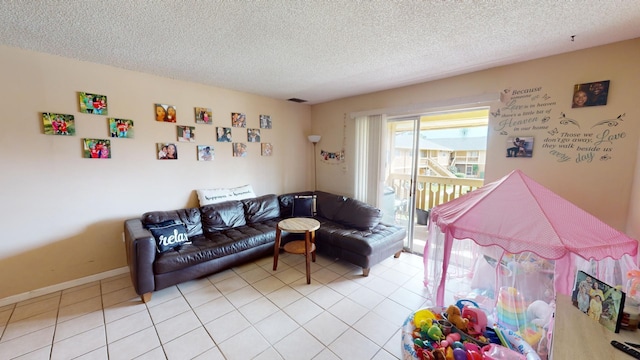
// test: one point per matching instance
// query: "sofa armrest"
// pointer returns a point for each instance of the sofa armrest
(141, 253)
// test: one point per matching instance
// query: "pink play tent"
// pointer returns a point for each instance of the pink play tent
(515, 240)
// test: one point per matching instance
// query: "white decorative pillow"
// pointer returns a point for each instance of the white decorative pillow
(214, 196)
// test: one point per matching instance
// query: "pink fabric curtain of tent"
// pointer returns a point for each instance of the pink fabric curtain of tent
(518, 214)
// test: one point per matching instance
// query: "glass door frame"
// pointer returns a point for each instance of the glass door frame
(410, 203)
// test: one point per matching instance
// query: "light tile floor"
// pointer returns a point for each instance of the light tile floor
(248, 312)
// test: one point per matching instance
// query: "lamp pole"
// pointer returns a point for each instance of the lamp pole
(315, 139)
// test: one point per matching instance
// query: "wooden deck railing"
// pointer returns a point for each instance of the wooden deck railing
(432, 190)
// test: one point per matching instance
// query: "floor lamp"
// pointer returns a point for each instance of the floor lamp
(314, 139)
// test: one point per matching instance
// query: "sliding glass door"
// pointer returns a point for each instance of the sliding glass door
(431, 159)
(402, 171)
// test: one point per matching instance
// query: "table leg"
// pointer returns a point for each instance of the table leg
(276, 249)
(313, 241)
(307, 250)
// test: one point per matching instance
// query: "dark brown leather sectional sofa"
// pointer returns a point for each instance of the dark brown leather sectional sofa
(232, 233)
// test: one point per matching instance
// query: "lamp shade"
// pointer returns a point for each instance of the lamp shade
(314, 138)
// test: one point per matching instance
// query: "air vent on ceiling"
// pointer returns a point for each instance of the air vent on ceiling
(297, 100)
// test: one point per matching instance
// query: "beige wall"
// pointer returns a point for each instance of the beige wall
(62, 215)
(601, 187)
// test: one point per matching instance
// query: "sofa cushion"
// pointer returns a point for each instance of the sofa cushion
(286, 202)
(328, 204)
(262, 208)
(358, 214)
(222, 216)
(169, 235)
(215, 196)
(304, 206)
(189, 217)
(232, 242)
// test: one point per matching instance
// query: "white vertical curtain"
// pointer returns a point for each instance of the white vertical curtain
(370, 160)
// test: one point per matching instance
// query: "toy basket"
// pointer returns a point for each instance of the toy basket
(408, 350)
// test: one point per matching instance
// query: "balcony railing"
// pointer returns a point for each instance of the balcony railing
(431, 190)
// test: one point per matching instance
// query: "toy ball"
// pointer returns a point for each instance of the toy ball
(459, 354)
(457, 345)
(444, 343)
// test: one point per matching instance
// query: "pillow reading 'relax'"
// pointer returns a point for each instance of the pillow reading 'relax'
(169, 235)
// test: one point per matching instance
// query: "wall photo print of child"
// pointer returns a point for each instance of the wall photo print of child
(521, 146)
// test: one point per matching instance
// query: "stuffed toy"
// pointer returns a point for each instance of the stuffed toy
(539, 313)
(455, 317)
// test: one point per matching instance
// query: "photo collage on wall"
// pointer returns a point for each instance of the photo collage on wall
(122, 128)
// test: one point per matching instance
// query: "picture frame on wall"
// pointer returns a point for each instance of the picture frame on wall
(186, 133)
(238, 120)
(205, 152)
(93, 103)
(203, 116)
(601, 302)
(121, 128)
(590, 94)
(166, 113)
(265, 122)
(58, 124)
(267, 149)
(223, 134)
(96, 148)
(520, 147)
(167, 151)
(239, 149)
(253, 135)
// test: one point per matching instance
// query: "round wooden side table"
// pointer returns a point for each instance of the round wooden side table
(306, 226)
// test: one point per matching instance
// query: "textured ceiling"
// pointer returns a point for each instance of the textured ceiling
(317, 50)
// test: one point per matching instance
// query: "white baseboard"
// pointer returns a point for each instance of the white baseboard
(62, 286)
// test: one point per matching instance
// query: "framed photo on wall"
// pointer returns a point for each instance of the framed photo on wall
(265, 122)
(253, 135)
(93, 103)
(239, 150)
(267, 149)
(58, 124)
(590, 94)
(167, 151)
(120, 128)
(166, 113)
(521, 146)
(223, 134)
(186, 133)
(238, 120)
(96, 148)
(203, 116)
(205, 152)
